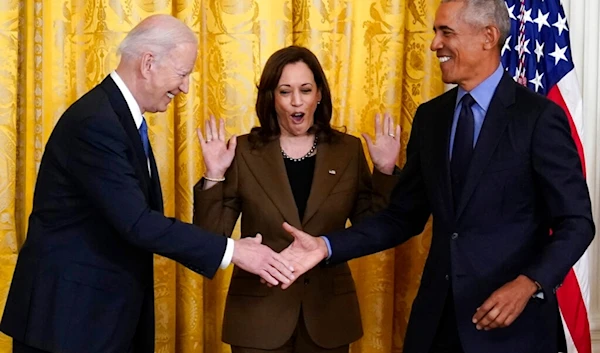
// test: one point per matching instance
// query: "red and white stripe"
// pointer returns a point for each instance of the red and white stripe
(574, 294)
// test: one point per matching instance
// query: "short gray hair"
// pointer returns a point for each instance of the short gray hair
(158, 34)
(487, 12)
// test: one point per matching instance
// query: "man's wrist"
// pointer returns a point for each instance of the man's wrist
(535, 285)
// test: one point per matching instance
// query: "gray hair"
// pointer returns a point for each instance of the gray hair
(158, 34)
(487, 12)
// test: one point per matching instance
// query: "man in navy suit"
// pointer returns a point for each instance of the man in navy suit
(84, 277)
(496, 166)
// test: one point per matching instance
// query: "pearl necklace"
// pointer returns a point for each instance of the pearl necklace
(312, 150)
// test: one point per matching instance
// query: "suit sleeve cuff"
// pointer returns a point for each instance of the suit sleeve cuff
(228, 254)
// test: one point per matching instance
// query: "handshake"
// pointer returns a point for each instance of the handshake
(282, 268)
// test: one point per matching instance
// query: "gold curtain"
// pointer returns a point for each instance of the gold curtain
(375, 54)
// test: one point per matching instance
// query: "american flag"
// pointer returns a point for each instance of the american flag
(537, 54)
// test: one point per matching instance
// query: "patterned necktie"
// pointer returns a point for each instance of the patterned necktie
(144, 135)
(463, 146)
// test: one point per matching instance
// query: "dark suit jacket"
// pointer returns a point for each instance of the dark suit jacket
(257, 186)
(83, 280)
(525, 178)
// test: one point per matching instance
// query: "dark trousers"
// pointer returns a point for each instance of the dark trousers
(19, 347)
(446, 338)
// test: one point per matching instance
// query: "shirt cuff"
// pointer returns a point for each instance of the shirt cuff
(228, 254)
(328, 247)
(540, 292)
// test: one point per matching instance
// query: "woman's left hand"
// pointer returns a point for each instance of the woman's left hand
(385, 148)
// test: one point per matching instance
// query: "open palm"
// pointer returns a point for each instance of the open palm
(216, 151)
(385, 148)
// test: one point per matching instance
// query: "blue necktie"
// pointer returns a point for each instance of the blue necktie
(463, 146)
(144, 135)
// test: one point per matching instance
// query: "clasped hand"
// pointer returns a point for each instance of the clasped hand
(304, 253)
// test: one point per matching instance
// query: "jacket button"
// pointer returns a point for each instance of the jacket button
(306, 281)
(447, 277)
(454, 236)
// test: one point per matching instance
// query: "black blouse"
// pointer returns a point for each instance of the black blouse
(300, 175)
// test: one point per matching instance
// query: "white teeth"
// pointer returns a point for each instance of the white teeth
(443, 59)
(170, 95)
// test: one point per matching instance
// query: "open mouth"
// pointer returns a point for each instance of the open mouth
(443, 59)
(297, 117)
(170, 95)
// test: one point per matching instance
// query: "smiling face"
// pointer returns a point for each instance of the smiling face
(463, 49)
(296, 99)
(168, 76)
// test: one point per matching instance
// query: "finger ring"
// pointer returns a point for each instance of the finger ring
(392, 135)
(208, 140)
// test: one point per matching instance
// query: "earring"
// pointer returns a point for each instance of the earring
(318, 102)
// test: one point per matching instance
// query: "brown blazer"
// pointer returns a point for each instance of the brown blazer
(257, 186)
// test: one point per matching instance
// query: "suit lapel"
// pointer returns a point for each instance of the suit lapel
(496, 120)
(441, 140)
(155, 191)
(267, 167)
(332, 160)
(120, 107)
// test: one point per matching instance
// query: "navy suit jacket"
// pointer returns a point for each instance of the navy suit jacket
(84, 277)
(525, 178)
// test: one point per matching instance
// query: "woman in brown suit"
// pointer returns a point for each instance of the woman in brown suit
(294, 168)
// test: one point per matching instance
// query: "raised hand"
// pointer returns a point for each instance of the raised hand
(250, 255)
(384, 150)
(216, 151)
(304, 253)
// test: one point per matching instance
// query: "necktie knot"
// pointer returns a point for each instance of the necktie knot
(468, 101)
(144, 137)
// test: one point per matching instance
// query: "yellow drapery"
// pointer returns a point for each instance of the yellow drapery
(375, 54)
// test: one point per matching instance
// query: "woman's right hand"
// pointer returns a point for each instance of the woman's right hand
(216, 151)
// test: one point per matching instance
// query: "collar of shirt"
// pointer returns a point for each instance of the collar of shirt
(134, 108)
(483, 93)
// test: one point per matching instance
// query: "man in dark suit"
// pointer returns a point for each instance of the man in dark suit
(84, 277)
(496, 166)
